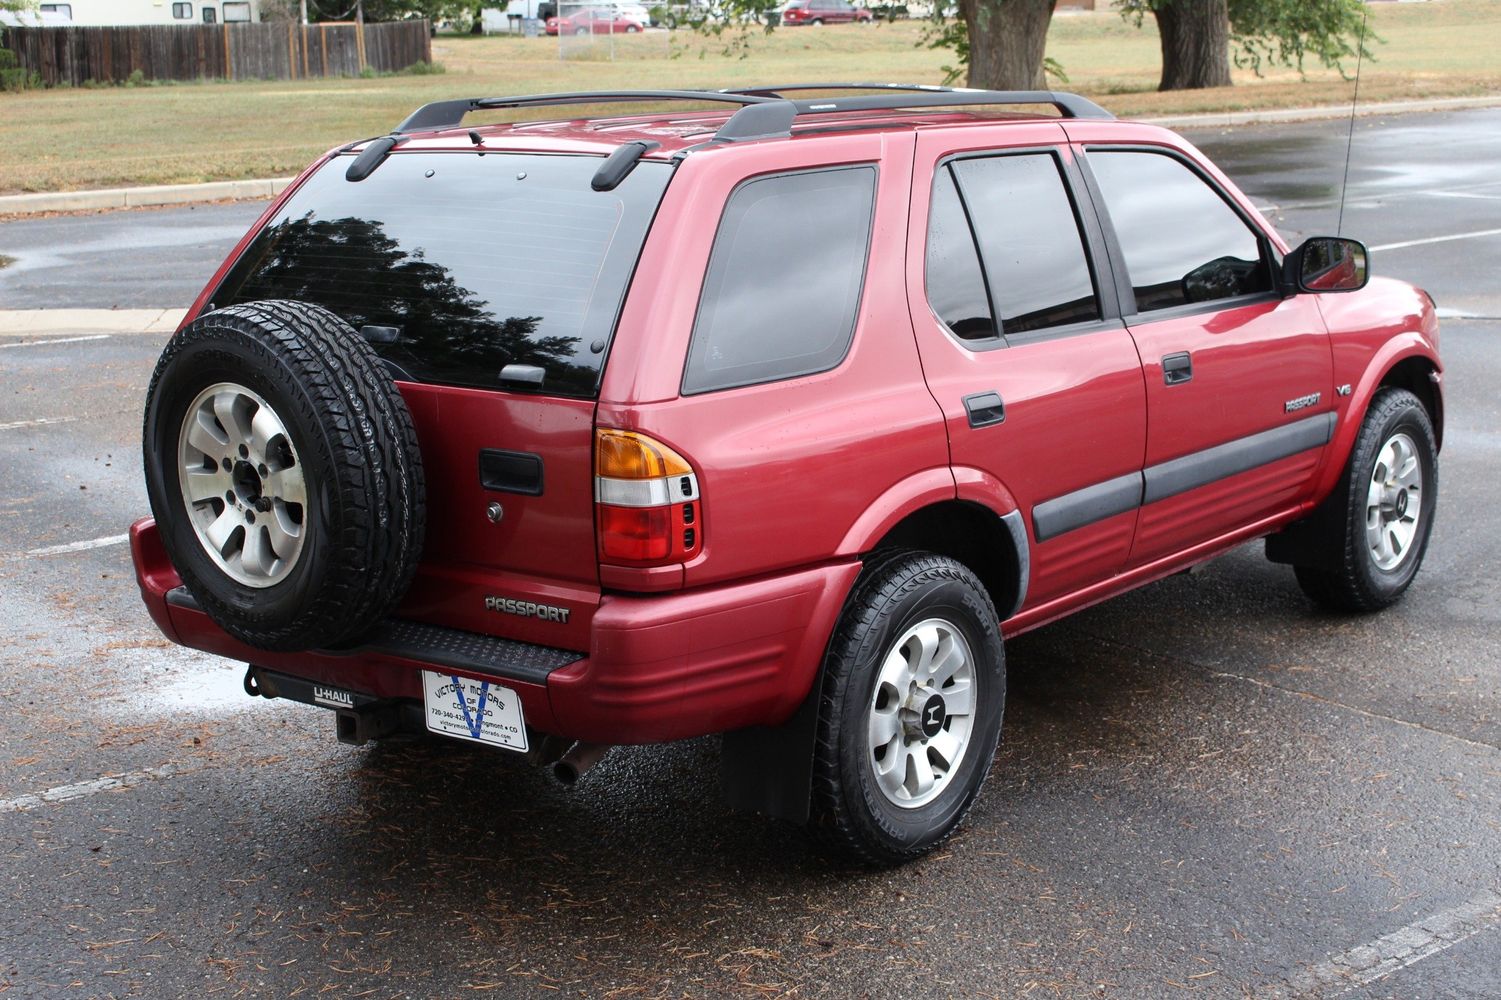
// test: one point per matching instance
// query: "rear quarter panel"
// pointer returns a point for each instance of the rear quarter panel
(786, 468)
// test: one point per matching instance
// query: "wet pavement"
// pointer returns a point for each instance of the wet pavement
(1204, 787)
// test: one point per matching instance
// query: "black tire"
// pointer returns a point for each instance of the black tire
(357, 449)
(1355, 582)
(850, 814)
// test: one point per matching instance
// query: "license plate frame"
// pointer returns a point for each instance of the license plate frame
(489, 713)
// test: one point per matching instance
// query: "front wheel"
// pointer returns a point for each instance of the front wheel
(913, 691)
(1385, 506)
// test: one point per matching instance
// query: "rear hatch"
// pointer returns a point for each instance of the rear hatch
(490, 283)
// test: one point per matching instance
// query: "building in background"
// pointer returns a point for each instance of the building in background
(120, 13)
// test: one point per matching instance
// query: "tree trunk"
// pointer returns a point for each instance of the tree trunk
(1007, 39)
(1195, 43)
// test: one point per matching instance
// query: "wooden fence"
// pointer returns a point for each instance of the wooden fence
(266, 51)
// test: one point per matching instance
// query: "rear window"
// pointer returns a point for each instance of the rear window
(471, 261)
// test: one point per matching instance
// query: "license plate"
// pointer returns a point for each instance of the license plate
(478, 711)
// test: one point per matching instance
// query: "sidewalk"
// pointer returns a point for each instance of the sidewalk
(44, 323)
(175, 194)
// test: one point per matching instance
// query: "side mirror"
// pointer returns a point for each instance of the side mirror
(1328, 264)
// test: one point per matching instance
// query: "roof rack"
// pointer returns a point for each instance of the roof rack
(448, 114)
(764, 112)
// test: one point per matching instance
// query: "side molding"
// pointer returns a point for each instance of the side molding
(1234, 457)
(1052, 518)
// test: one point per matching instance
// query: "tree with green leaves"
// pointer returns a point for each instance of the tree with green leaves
(1201, 37)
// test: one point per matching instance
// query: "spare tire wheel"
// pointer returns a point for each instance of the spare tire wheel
(283, 470)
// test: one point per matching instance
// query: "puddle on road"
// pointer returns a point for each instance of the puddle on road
(181, 684)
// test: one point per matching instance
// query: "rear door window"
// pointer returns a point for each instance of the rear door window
(468, 262)
(1030, 244)
(956, 285)
(784, 279)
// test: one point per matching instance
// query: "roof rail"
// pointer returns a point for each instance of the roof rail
(764, 112)
(448, 114)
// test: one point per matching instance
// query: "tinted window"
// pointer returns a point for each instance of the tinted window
(477, 261)
(784, 279)
(1182, 242)
(1029, 241)
(956, 288)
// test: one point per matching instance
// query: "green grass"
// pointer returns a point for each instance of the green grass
(68, 139)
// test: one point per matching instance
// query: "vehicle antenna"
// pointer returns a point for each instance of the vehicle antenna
(1339, 227)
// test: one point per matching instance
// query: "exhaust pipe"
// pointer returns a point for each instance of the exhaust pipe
(578, 761)
(546, 751)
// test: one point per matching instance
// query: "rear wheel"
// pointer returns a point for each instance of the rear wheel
(913, 693)
(1384, 506)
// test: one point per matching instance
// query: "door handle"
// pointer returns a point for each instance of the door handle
(985, 409)
(1177, 368)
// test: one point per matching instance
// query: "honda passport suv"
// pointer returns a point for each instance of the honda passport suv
(770, 421)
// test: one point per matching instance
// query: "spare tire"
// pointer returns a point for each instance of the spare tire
(284, 474)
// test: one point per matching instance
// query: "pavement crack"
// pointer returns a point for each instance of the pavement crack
(1294, 692)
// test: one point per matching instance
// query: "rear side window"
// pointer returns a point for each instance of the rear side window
(784, 279)
(1030, 243)
(1182, 243)
(469, 262)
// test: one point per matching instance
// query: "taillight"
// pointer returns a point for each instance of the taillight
(646, 498)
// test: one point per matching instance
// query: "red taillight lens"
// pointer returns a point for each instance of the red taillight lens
(647, 500)
(635, 534)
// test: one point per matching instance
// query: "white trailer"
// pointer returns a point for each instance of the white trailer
(122, 13)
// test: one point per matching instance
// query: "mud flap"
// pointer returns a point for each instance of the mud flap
(769, 769)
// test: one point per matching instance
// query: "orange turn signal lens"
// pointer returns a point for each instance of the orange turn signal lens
(628, 455)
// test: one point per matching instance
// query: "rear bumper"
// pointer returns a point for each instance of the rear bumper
(659, 667)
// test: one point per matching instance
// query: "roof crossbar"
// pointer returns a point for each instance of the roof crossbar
(449, 114)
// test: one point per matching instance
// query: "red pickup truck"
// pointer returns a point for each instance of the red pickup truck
(771, 421)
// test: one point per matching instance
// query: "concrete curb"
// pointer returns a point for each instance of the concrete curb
(136, 197)
(46, 323)
(178, 194)
(1274, 115)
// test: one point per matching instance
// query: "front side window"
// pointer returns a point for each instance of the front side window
(463, 263)
(1030, 244)
(61, 9)
(236, 11)
(1182, 243)
(182, 11)
(784, 279)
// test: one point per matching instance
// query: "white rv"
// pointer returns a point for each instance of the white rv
(120, 13)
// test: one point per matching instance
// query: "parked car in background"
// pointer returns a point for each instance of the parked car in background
(821, 12)
(595, 21)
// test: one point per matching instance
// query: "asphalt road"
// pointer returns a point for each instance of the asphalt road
(1204, 787)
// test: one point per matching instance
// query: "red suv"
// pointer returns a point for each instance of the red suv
(821, 12)
(768, 423)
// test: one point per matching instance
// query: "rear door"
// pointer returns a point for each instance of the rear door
(1239, 379)
(1022, 344)
(490, 284)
